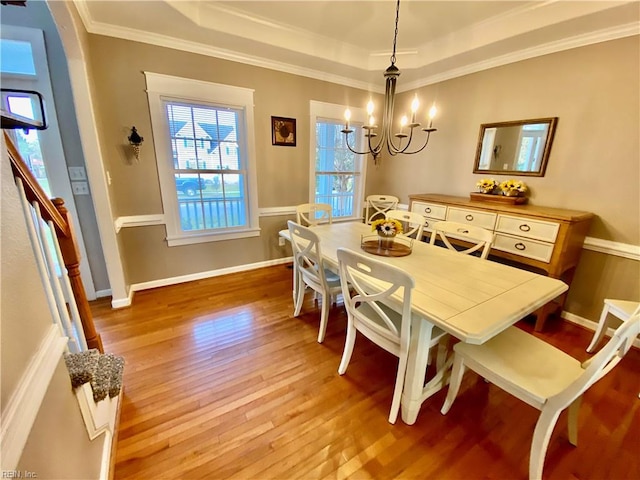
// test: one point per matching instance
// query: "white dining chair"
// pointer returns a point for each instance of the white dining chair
(378, 205)
(622, 309)
(310, 271)
(312, 214)
(372, 283)
(412, 222)
(480, 238)
(540, 375)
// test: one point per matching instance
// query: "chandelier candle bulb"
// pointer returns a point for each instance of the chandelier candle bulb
(370, 107)
(414, 108)
(347, 117)
(432, 113)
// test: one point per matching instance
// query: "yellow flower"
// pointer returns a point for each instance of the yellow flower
(387, 226)
(513, 186)
(487, 183)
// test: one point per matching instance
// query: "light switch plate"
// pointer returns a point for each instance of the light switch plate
(77, 173)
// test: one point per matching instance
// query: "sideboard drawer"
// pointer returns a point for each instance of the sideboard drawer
(472, 217)
(526, 227)
(523, 247)
(431, 210)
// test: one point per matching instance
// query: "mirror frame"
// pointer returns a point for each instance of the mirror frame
(552, 121)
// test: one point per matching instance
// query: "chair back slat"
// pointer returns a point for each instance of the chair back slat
(312, 214)
(480, 238)
(601, 363)
(306, 254)
(378, 205)
(372, 284)
(412, 222)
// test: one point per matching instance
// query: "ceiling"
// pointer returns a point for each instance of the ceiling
(350, 42)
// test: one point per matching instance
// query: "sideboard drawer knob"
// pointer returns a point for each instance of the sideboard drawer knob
(520, 246)
(469, 218)
(427, 210)
(524, 227)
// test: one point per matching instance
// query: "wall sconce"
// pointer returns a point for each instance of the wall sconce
(135, 141)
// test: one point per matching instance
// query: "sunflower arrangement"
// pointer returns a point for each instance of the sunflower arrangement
(486, 185)
(513, 188)
(387, 226)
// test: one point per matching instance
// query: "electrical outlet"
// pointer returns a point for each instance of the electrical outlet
(281, 241)
(80, 188)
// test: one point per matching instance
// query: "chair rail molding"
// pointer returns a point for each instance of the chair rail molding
(138, 221)
(612, 248)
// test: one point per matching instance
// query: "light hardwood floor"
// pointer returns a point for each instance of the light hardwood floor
(222, 382)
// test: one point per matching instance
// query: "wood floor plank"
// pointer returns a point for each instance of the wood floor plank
(222, 382)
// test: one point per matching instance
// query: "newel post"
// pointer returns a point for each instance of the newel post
(71, 257)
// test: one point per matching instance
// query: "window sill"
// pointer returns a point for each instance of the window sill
(178, 240)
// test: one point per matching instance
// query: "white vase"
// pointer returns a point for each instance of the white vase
(385, 242)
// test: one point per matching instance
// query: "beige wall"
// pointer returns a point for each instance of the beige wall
(594, 163)
(24, 315)
(58, 445)
(595, 158)
(283, 172)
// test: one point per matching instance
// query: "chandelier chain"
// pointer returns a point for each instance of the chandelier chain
(395, 34)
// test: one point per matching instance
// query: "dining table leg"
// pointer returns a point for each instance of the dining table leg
(415, 390)
(416, 370)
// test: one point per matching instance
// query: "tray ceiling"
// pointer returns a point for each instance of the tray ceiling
(350, 42)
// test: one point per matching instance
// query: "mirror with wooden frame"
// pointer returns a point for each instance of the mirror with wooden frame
(515, 148)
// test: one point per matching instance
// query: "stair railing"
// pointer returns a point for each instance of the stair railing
(65, 291)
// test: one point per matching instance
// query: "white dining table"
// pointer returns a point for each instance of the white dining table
(468, 297)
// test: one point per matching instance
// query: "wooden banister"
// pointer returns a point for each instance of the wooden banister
(55, 211)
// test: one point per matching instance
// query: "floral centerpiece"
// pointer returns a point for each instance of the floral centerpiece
(486, 185)
(386, 227)
(513, 188)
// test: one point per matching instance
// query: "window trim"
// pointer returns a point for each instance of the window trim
(166, 87)
(333, 111)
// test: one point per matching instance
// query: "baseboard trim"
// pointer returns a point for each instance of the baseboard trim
(590, 325)
(105, 461)
(103, 293)
(24, 404)
(123, 302)
(137, 287)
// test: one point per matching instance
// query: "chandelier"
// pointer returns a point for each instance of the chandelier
(386, 140)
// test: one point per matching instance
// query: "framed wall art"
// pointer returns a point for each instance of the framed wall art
(283, 131)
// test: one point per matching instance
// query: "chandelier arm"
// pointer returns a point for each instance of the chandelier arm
(346, 141)
(421, 148)
(399, 148)
(375, 151)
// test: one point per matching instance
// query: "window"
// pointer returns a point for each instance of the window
(203, 135)
(337, 174)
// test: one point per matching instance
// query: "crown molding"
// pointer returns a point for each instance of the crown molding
(604, 35)
(167, 41)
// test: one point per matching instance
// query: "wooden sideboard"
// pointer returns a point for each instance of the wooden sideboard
(543, 238)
